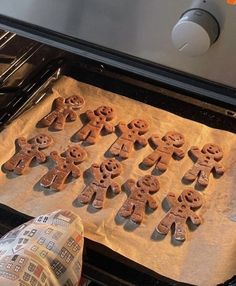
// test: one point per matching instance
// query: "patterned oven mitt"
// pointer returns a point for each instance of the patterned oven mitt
(44, 251)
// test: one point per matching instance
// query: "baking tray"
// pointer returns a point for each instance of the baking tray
(144, 90)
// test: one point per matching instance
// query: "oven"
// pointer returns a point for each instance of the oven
(174, 55)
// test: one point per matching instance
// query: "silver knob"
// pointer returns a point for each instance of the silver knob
(195, 32)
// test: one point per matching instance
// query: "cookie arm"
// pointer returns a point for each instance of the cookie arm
(156, 140)
(115, 187)
(171, 199)
(75, 171)
(122, 127)
(179, 153)
(90, 115)
(21, 142)
(72, 115)
(141, 141)
(95, 170)
(195, 151)
(219, 169)
(130, 184)
(108, 127)
(56, 157)
(151, 201)
(59, 101)
(40, 156)
(195, 219)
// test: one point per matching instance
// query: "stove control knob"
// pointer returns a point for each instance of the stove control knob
(195, 32)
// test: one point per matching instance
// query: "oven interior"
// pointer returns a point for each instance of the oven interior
(28, 67)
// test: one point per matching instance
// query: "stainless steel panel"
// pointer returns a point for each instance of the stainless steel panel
(137, 27)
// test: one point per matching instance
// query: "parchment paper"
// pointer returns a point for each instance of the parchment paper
(207, 257)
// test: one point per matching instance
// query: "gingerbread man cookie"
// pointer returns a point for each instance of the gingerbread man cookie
(207, 161)
(98, 120)
(166, 148)
(19, 163)
(130, 134)
(64, 166)
(102, 180)
(140, 196)
(63, 109)
(181, 209)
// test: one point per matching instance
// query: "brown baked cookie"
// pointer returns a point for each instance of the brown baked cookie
(181, 209)
(19, 163)
(139, 198)
(98, 120)
(64, 166)
(206, 162)
(130, 134)
(63, 109)
(166, 148)
(103, 176)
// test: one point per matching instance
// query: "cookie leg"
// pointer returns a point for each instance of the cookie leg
(99, 198)
(163, 162)
(126, 149)
(48, 179)
(137, 215)
(151, 159)
(83, 133)
(127, 209)
(22, 166)
(58, 183)
(116, 147)
(12, 162)
(59, 123)
(204, 178)
(48, 119)
(192, 174)
(93, 135)
(86, 195)
(165, 224)
(180, 230)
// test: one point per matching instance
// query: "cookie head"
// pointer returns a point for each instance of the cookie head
(149, 183)
(76, 153)
(139, 125)
(213, 151)
(42, 141)
(192, 198)
(75, 101)
(174, 138)
(111, 166)
(105, 111)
